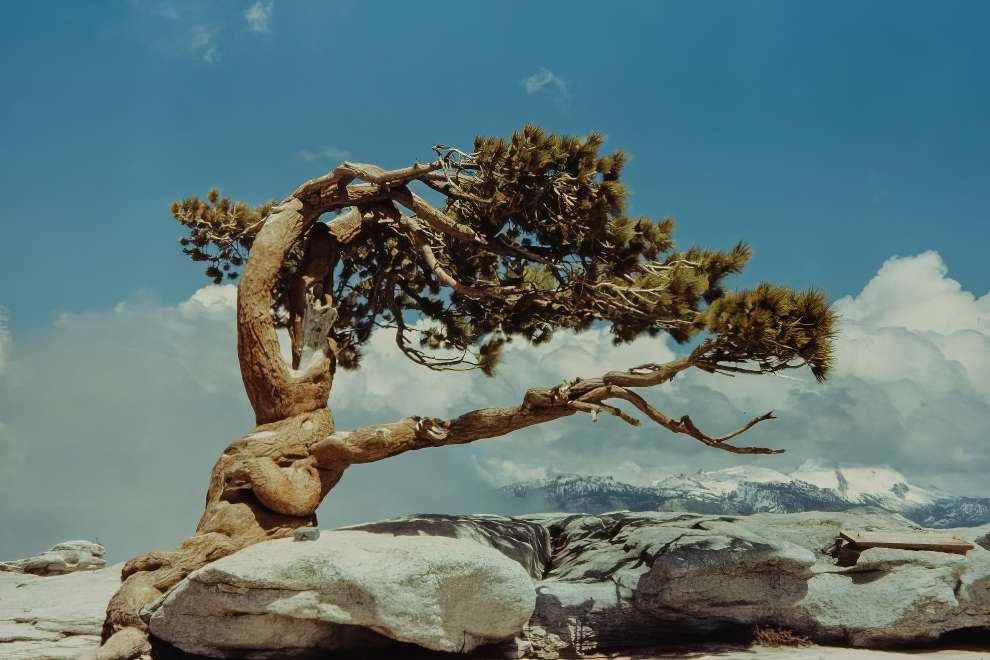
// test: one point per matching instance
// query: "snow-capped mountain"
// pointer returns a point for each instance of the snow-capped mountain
(746, 489)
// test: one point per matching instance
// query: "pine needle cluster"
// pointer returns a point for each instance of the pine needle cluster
(555, 249)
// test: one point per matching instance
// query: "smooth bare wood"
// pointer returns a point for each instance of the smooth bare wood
(271, 481)
(307, 288)
(273, 392)
(264, 486)
(934, 542)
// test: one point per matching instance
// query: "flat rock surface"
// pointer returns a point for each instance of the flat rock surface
(639, 579)
(348, 589)
(65, 557)
(618, 585)
(53, 617)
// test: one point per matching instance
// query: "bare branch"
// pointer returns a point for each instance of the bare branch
(372, 443)
(338, 178)
(647, 375)
(595, 408)
(433, 217)
(346, 226)
(418, 238)
(687, 427)
(378, 176)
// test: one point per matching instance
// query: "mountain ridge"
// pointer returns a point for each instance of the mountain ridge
(744, 490)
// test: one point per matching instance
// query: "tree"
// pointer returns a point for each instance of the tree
(531, 238)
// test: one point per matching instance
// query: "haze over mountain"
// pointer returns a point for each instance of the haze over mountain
(750, 489)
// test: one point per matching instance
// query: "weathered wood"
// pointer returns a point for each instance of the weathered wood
(269, 483)
(863, 539)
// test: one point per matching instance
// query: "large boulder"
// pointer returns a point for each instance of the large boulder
(525, 542)
(67, 557)
(639, 579)
(347, 589)
(889, 596)
(48, 618)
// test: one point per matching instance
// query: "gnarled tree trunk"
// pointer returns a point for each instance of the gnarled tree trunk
(271, 481)
(267, 483)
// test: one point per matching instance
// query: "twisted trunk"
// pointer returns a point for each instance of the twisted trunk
(274, 392)
(271, 481)
(265, 484)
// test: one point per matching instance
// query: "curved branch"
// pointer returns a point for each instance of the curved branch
(687, 427)
(434, 218)
(273, 392)
(647, 375)
(416, 236)
(373, 443)
(378, 176)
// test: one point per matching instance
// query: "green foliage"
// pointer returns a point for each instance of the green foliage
(771, 326)
(556, 250)
(220, 231)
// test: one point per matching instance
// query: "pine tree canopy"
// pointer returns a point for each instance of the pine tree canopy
(530, 236)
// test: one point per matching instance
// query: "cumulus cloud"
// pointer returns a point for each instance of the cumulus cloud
(911, 388)
(110, 421)
(546, 81)
(323, 153)
(259, 16)
(916, 294)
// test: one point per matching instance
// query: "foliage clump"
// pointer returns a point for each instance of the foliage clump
(532, 237)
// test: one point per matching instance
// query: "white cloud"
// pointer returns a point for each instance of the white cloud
(110, 420)
(911, 387)
(220, 299)
(545, 80)
(203, 43)
(915, 294)
(259, 16)
(323, 153)
(179, 28)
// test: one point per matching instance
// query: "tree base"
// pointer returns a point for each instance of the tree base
(264, 486)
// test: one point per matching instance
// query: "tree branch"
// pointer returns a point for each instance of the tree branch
(434, 218)
(373, 443)
(418, 238)
(273, 392)
(687, 427)
(378, 176)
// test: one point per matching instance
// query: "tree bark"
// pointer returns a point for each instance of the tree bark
(270, 482)
(266, 484)
(274, 393)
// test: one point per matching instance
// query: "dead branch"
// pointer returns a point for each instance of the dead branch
(420, 239)
(587, 395)
(436, 220)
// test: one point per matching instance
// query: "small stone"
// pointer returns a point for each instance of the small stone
(306, 534)
(67, 557)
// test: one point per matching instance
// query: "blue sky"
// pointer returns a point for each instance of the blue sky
(847, 142)
(828, 135)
